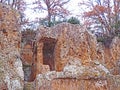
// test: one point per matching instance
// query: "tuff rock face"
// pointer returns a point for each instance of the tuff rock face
(11, 73)
(27, 37)
(57, 45)
(78, 77)
(68, 42)
(62, 57)
(110, 56)
(68, 56)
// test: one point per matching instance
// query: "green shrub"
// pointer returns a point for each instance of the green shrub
(73, 20)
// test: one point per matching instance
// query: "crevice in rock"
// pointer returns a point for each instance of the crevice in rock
(27, 72)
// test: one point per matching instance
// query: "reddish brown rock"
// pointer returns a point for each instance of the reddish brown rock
(27, 46)
(27, 54)
(78, 78)
(110, 56)
(80, 60)
(73, 84)
(60, 42)
(55, 45)
(11, 73)
(62, 57)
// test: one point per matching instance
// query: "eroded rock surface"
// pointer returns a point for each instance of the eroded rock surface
(110, 57)
(80, 63)
(62, 57)
(74, 42)
(11, 73)
(78, 77)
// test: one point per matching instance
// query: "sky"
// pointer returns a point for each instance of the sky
(72, 6)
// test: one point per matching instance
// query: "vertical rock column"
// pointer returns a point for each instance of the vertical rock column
(11, 73)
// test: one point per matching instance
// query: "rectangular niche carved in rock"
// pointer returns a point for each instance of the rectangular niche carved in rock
(48, 52)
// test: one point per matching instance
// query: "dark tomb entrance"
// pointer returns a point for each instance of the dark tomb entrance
(48, 52)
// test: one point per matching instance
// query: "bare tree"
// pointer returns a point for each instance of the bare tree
(53, 7)
(105, 13)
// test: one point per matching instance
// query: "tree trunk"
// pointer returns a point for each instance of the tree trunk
(49, 19)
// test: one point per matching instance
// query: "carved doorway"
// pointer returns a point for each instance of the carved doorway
(48, 52)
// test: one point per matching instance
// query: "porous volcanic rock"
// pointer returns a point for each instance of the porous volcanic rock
(73, 41)
(11, 73)
(78, 77)
(77, 61)
(68, 41)
(110, 56)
